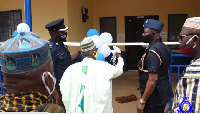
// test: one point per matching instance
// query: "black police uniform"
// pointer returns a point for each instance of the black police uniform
(60, 54)
(156, 59)
(61, 60)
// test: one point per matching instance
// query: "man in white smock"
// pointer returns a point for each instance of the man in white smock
(86, 86)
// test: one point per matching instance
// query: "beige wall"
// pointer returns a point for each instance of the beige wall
(44, 11)
(121, 8)
(77, 28)
(6, 5)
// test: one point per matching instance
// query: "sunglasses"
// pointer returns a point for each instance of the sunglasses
(183, 36)
(191, 35)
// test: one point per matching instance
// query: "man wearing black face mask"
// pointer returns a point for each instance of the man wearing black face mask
(153, 69)
(60, 54)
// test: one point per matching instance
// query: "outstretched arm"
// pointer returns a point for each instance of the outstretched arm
(118, 70)
(75, 55)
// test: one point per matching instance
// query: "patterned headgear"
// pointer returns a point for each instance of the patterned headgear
(24, 53)
(87, 44)
(193, 22)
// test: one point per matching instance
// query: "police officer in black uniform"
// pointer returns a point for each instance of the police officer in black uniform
(153, 71)
(59, 52)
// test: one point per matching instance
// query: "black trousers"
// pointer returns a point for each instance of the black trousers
(157, 109)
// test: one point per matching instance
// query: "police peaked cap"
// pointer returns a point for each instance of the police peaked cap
(57, 25)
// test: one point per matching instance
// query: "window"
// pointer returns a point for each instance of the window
(175, 23)
(8, 23)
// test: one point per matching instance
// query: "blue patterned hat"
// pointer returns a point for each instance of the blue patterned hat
(154, 24)
(24, 53)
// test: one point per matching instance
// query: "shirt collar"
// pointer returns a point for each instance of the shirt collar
(87, 59)
(157, 40)
(57, 42)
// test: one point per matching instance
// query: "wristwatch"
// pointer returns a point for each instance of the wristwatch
(142, 101)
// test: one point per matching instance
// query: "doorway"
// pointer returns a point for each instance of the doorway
(108, 24)
(133, 31)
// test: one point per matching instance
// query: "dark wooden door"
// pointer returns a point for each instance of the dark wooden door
(108, 24)
(133, 31)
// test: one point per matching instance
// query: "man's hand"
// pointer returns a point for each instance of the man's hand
(118, 55)
(140, 107)
(116, 51)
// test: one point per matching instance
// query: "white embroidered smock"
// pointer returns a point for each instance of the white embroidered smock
(86, 86)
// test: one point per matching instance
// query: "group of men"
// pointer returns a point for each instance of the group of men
(36, 71)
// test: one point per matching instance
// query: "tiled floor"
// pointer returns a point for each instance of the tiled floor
(125, 85)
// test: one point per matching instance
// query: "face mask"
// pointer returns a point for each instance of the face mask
(146, 39)
(54, 81)
(63, 37)
(185, 50)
